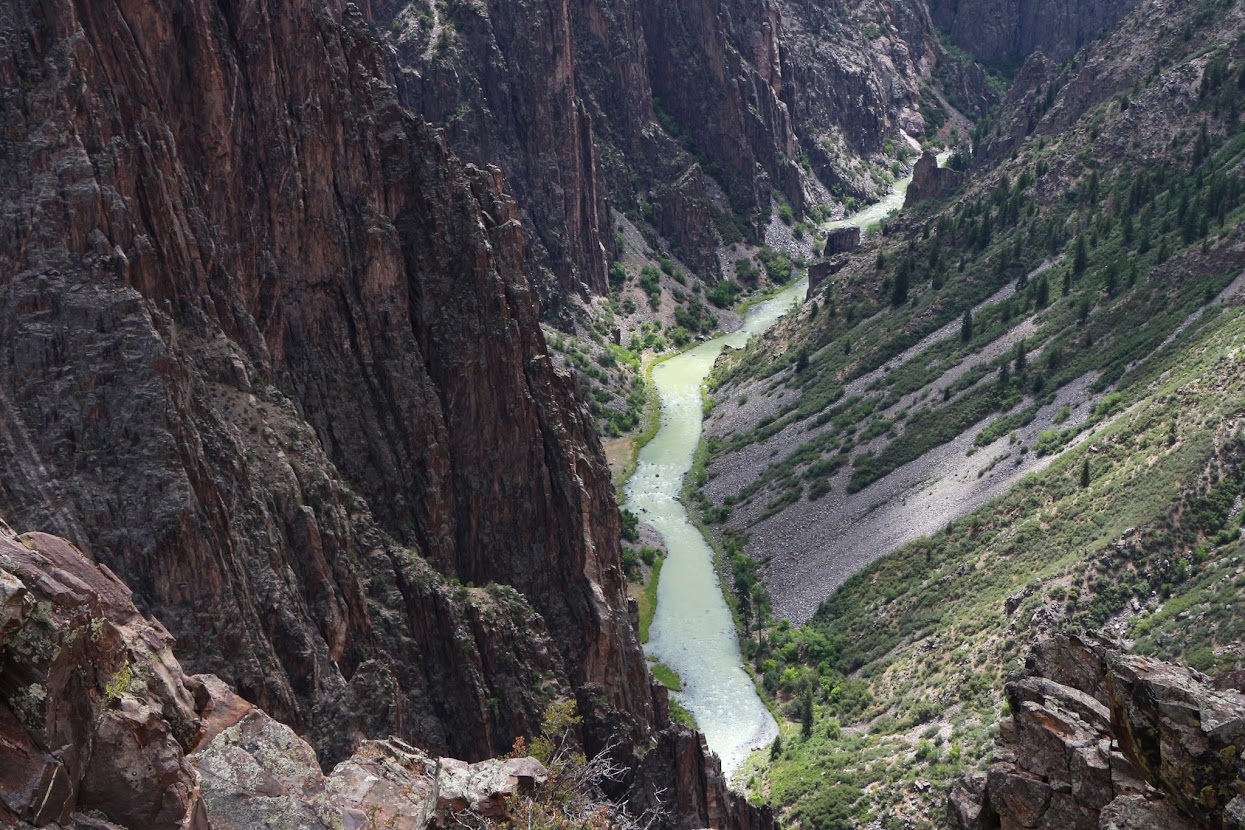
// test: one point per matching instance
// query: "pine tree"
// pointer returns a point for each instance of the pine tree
(806, 714)
(1084, 473)
(966, 326)
(1080, 257)
(1020, 357)
(775, 750)
(1042, 293)
(899, 291)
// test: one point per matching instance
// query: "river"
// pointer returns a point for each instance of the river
(692, 631)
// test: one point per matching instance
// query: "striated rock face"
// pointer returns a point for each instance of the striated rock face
(929, 181)
(270, 356)
(1100, 738)
(1007, 31)
(501, 77)
(219, 310)
(562, 97)
(841, 241)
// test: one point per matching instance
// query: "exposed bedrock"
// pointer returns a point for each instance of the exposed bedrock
(270, 355)
(1102, 739)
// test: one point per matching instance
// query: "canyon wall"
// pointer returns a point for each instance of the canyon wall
(1007, 31)
(677, 114)
(270, 356)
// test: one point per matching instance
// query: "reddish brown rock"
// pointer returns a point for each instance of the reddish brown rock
(270, 356)
(94, 715)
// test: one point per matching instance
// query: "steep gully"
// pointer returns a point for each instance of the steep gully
(692, 630)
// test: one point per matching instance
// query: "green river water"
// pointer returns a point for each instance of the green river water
(692, 631)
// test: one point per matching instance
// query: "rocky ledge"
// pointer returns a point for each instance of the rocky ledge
(1101, 739)
(101, 729)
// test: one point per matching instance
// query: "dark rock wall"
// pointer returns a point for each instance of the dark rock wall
(214, 241)
(929, 181)
(1007, 31)
(503, 83)
(672, 111)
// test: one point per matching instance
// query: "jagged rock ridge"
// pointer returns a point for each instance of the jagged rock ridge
(1100, 738)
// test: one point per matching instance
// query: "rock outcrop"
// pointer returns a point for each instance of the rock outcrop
(841, 241)
(98, 719)
(270, 356)
(929, 181)
(100, 729)
(1099, 738)
(95, 713)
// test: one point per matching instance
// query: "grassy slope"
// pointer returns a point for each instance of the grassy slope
(916, 647)
(1054, 196)
(905, 663)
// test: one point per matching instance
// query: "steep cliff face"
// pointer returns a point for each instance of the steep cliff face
(674, 113)
(562, 97)
(270, 355)
(1007, 31)
(197, 266)
(494, 72)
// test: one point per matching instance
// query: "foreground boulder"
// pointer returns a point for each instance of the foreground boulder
(1100, 739)
(100, 728)
(94, 710)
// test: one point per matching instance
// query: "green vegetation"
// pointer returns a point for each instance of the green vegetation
(912, 652)
(667, 676)
(647, 599)
(1127, 285)
(1059, 266)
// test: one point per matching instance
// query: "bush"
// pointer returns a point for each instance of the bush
(630, 525)
(618, 276)
(724, 293)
